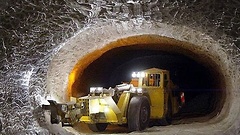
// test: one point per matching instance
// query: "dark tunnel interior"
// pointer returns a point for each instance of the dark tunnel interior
(199, 83)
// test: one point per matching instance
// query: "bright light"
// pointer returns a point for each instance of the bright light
(99, 89)
(134, 74)
(138, 74)
(139, 90)
(96, 89)
(92, 89)
(142, 74)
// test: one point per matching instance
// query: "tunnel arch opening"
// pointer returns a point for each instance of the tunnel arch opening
(191, 68)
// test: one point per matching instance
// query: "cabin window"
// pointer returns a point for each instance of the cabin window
(151, 80)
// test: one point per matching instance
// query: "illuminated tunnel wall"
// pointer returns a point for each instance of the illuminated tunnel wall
(197, 64)
(45, 44)
(196, 75)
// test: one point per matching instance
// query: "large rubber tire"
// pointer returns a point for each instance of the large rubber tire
(138, 113)
(98, 127)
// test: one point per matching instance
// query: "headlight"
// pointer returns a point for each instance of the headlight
(138, 74)
(64, 108)
(134, 74)
(92, 89)
(133, 90)
(139, 90)
(96, 89)
(136, 90)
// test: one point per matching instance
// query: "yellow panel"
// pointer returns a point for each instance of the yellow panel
(111, 116)
(157, 102)
(112, 104)
(85, 119)
(123, 103)
(107, 108)
(94, 106)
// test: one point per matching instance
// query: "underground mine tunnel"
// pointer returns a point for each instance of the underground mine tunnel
(196, 75)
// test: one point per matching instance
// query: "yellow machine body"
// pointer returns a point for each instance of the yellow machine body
(158, 88)
(111, 106)
(103, 109)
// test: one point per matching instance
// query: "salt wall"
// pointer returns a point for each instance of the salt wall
(43, 41)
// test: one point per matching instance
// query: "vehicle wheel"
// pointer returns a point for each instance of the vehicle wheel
(98, 127)
(168, 118)
(138, 113)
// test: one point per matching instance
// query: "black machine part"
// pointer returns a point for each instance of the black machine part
(54, 108)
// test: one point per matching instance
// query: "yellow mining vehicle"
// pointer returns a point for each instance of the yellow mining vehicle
(149, 96)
